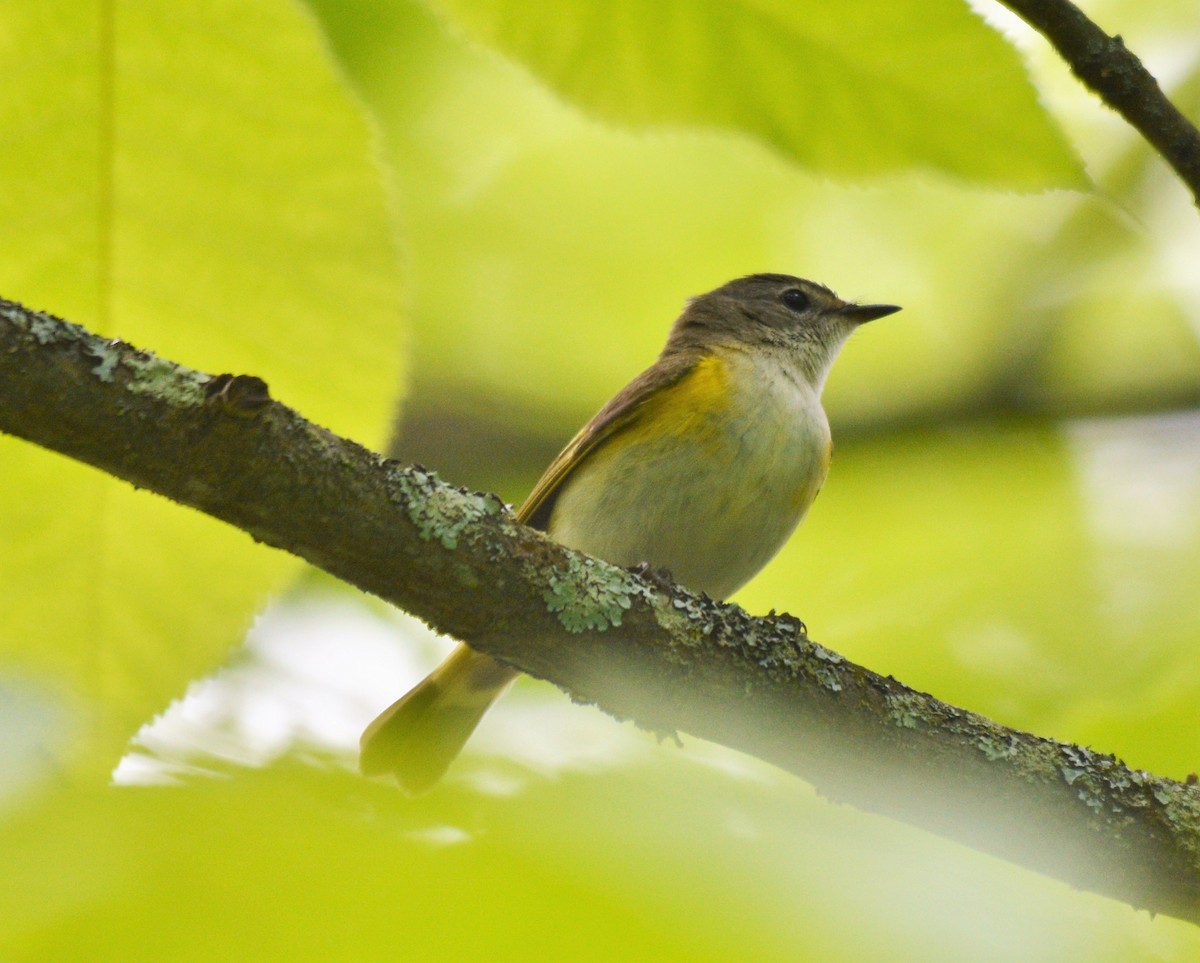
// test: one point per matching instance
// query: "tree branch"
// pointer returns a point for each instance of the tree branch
(668, 660)
(1119, 78)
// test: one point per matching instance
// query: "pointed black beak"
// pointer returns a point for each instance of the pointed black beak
(862, 313)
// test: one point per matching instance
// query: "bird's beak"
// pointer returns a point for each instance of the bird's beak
(862, 313)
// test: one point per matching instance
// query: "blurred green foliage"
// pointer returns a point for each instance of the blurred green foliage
(169, 173)
(666, 863)
(863, 87)
(511, 206)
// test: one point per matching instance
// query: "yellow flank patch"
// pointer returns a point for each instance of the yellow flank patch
(686, 407)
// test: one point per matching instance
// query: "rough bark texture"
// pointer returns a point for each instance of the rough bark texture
(665, 658)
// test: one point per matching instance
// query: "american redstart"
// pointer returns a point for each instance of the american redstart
(703, 465)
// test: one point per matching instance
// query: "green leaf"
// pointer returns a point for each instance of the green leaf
(195, 179)
(849, 89)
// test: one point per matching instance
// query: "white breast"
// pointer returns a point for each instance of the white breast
(712, 510)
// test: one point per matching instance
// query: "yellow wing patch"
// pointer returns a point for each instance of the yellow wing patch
(686, 407)
(674, 401)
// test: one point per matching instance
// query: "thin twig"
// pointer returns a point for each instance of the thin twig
(1108, 68)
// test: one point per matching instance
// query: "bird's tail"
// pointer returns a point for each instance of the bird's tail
(417, 737)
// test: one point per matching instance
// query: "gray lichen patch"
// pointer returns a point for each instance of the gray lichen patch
(1110, 789)
(828, 665)
(441, 512)
(45, 328)
(777, 643)
(107, 355)
(149, 375)
(591, 594)
(999, 746)
(164, 380)
(50, 330)
(906, 709)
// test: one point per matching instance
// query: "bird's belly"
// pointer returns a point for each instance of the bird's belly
(712, 507)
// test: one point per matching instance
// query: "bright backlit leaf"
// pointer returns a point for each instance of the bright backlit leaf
(195, 179)
(852, 88)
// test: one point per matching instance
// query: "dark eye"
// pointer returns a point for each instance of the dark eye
(795, 299)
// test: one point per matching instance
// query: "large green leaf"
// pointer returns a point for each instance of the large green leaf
(195, 179)
(851, 88)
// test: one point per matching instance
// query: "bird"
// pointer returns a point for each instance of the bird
(702, 466)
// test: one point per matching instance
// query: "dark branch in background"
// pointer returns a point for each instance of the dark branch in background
(1119, 78)
(668, 660)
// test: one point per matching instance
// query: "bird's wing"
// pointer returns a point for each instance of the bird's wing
(627, 407)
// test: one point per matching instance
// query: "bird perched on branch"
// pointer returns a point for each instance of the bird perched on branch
(703, 465)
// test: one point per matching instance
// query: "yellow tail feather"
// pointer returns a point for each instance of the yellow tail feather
(417, 737)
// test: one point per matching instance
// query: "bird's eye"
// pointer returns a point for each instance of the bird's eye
(795, 299)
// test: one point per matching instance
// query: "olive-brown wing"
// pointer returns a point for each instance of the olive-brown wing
(625, 409)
